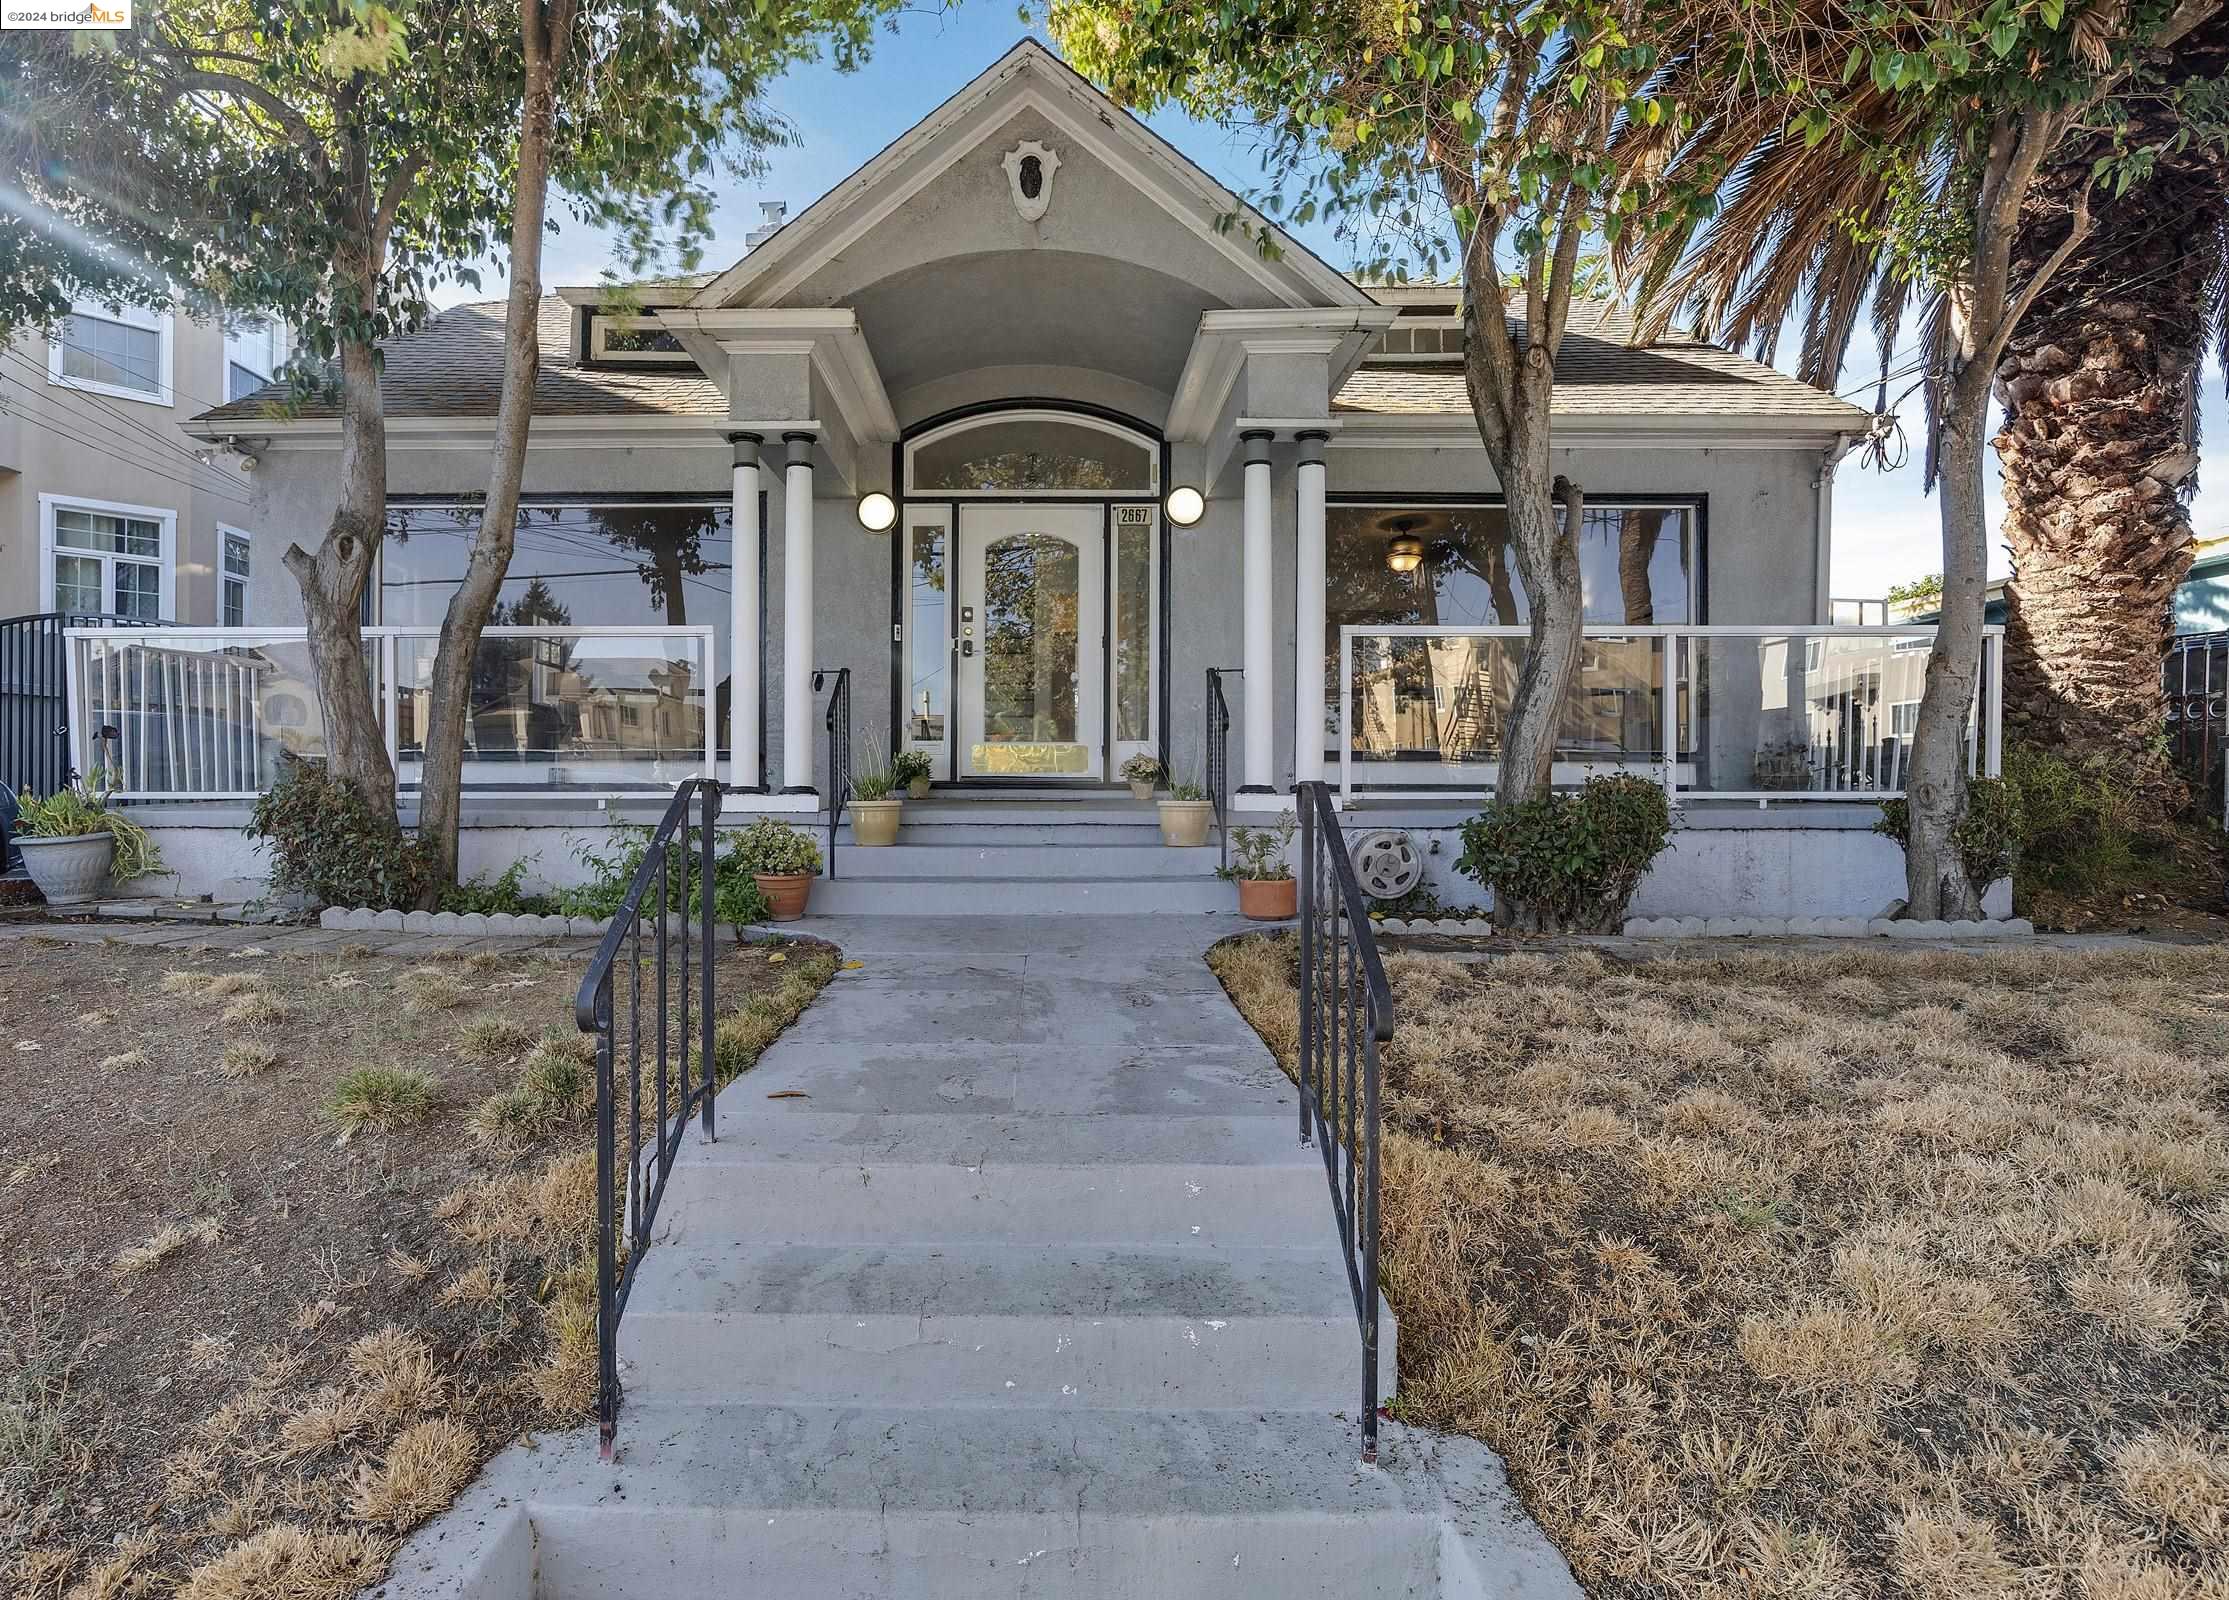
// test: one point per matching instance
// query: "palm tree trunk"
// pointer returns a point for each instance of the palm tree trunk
(2099, 387)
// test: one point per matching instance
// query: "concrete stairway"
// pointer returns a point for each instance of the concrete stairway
(1023, 855)
(1023, 1286)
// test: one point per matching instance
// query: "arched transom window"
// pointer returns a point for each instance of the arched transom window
(1034, 453)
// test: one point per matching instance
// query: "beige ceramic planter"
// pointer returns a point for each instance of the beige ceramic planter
(1184, 823)
(875, 822)
(918, 789)
(1140, 789)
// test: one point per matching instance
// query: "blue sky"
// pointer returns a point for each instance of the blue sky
(1885, 528)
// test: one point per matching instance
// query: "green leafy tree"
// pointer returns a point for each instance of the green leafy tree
(1476, 137)
(1883, 153)
(334, 163)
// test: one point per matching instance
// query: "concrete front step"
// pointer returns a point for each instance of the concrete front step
(941, 858)
(971, 830)
(859, 894)
(995, 1325)
(837, 1503)
(1018, 1079)
(1193, 1181)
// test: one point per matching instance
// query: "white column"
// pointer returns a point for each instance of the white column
(744, 643)
(1261, 687)
(799, 738)
(1308, 611)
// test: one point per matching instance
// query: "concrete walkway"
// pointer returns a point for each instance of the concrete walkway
(1024, 1285)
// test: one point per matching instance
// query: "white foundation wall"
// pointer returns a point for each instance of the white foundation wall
(1744, 865)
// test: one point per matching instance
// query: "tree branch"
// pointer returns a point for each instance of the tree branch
(2038, 281)
(392, 197)
(290, 121)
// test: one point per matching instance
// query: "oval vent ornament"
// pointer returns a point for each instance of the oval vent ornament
(1029, 174)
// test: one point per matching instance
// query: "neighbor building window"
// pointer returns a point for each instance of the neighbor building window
(254, 350)
(107, 560)
(117, 350)
(234, 578)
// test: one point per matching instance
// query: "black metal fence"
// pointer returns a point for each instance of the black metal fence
(1219, 756)
(839, 750)
(2195, 677)
(35, 697)
(1346, 1013)
(654, 1057)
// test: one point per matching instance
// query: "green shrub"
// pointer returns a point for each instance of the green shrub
(328, 843)
(910, 767)
(502, 895)
(1258, 854)
(1569, 861)
(613, 860)
(1987, 838)
(771, 846)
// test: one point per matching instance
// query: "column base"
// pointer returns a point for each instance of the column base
(1263, 800)
(801, 803)
(1256, 788)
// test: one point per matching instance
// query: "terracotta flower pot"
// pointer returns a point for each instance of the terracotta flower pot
(1141, 789)
(918, 789)
(785, 893)
(875, 822)
(69, 871)
(1268, 899)
(1184, 823)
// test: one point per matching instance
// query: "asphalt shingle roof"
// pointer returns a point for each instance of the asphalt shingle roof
(454, 368)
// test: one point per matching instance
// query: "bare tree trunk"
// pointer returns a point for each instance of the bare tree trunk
(333, 581)
(1935, 881)
(1548, 562)
(1636, 544)
(441, 796)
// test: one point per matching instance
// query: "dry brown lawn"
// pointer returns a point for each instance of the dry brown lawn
(1856, 1274)
(296, 1243)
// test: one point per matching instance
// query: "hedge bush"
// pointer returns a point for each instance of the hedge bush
(327, 843)
(1568, 862)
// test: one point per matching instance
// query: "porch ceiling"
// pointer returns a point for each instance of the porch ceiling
(1030, 308)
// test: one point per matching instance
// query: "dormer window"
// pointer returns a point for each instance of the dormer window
(633, 341)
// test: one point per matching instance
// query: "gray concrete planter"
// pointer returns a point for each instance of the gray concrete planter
(69, 872)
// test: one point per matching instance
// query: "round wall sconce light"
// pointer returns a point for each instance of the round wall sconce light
(877, 512)
(1405, 554)
(1186, 505)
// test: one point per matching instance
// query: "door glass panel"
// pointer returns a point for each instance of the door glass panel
(931, 634)
(1032, 602)
(1133, 641)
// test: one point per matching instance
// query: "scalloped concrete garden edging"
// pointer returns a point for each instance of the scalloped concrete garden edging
(1751, 928)
(462, 924)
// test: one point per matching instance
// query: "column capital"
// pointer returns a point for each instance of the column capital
(745, 446)
(800, 449)
(1257, 441)
(1311, 442)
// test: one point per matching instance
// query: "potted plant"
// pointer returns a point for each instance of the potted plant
(1144, 774)
(782, 861)
(1185, 815)
(875, 807)
(911, 769)
(73, 842)
(1266, 890)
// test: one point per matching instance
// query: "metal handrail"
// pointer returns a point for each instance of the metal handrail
(623, 1223)
(1219, 756)
(1346, 1013)
(839, 750)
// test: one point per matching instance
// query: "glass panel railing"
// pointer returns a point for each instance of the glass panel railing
(607, 708)
(1430, 706)
(200, 713)
(1757, 714)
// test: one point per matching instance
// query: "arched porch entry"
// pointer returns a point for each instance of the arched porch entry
(1028, 594)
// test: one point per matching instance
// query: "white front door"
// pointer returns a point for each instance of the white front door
(1030, 684)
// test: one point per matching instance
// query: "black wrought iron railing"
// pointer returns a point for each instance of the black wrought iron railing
(2195, 676)
(654, 1065)
(1346, 1014)
(1219, 756)
(839, 750)
(35, 696)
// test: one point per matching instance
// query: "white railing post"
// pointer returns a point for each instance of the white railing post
(1346, 715)
(1670, 646)
(390, 690)
(1995, 645)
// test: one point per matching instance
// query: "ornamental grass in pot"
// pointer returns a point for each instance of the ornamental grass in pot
(1185, 814)
(782, 861)
(1259, 866)
(73, 842)
(1144, 774)
(910, 769)
(875, 806)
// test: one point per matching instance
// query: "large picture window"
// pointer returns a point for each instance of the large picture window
(1444, 701)
(575, 565)
(108, 560)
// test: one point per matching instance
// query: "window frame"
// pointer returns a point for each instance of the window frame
(166, 559)
(226, 577)
(985, 420)
(162, 323)
(280, 348)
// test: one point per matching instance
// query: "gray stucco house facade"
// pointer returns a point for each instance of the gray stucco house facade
(1010, 425)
